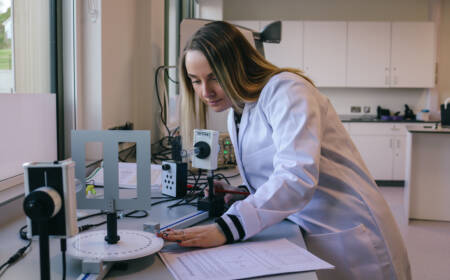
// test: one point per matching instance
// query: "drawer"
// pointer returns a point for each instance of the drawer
(377, 129)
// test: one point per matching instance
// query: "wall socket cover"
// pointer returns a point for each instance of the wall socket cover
(355, 109)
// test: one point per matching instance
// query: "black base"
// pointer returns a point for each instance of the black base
(216, 207)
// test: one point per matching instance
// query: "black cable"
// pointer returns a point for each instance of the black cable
(16, 256)
(3, 265)
(163, 108)
(131, 151)
(168, 76)
(162, 201)
(131, 214)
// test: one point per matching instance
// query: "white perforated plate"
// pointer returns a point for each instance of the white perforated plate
(133, 244)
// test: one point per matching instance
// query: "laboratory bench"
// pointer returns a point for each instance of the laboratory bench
(150, 267)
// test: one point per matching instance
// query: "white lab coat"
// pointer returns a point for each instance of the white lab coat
(299, 163)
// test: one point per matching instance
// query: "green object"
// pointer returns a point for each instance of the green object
(90, 189)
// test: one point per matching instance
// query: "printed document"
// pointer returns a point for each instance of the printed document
(128, 176)
(239, 260)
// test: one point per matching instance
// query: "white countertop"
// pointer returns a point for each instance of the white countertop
(427, 129)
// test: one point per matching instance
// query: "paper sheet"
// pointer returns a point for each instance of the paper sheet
(127, 176)
(239, 260)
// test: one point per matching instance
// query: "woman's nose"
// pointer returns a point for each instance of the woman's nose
(207, 91)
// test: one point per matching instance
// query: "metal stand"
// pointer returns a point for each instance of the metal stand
(44, 251)
(111, 227)
(213, 204)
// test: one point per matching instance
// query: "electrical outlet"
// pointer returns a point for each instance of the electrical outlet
(174, 178)
(366, 109)
(355, 109)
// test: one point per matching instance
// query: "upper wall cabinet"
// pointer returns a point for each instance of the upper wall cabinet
(324, 53)
(368, 55)
(356, 54)
(289, 52)
(413, 56)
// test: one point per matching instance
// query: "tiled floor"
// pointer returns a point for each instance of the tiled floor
(428, 242)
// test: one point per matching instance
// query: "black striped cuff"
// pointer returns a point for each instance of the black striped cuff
(231, 227)
(243, 187)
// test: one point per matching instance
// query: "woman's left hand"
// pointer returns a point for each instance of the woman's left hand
(198, 236)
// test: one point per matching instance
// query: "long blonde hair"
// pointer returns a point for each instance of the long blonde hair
(240, 69)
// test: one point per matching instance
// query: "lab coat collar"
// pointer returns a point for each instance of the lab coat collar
(237, 139)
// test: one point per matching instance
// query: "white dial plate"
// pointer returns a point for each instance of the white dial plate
(133, 244)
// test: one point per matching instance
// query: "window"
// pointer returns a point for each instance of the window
(25, 54)
(6, 73)
(25, 87)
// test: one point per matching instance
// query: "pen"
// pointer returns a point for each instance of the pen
(233, 192)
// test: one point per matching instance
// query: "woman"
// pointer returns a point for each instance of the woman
(294, 156)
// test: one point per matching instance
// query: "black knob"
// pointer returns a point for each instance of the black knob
(203, 149)
(165, 166)
(39, 206)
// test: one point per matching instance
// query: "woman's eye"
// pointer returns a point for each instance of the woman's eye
(195, 81)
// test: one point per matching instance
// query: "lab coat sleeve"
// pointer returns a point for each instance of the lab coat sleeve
(292, 110)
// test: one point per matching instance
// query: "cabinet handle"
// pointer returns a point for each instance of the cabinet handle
(398, 144)
(390, 143)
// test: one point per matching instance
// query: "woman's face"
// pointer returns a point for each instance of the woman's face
(204, 82)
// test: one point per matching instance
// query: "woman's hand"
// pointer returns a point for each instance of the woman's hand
(229, 198)
(199, 236)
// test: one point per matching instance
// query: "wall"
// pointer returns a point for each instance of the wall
(117, 54)
(211, 9)
(89, 71)
(383, 10)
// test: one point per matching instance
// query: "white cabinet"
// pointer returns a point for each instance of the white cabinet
(399, 162)
(413, 54)
(356, 54)
(289, 52)
(325, 46)
(382, 147)
(368, 55)
(376, 153)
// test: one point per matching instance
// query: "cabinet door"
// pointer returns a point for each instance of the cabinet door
(325, 45)
(368, 55)
(399, 162)
(413, 55)
(289, 52)
(376, 152)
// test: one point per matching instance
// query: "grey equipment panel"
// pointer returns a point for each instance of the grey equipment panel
(110, 140)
